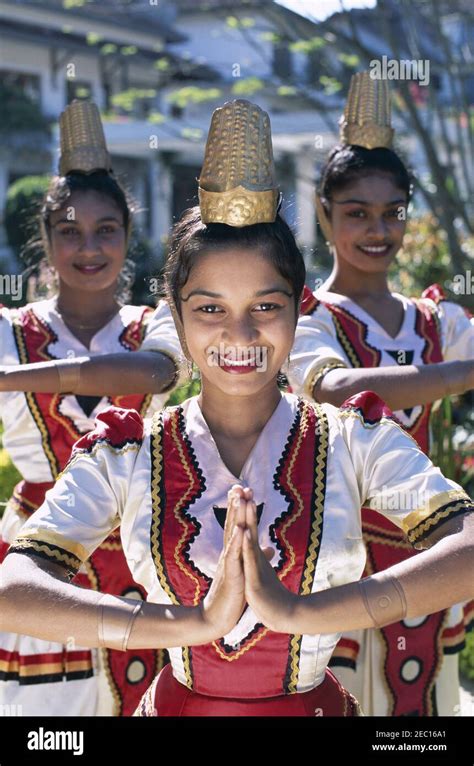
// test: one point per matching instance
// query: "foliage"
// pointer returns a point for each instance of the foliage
(425, 259)
(193, 95)
(9, 476)
(20, 112)
(466, 658)
(126, 98)
(24, 198)
(247, 87)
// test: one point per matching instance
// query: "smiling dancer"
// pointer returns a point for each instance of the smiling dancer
(196, 478)
(64, 360)
(419, 351)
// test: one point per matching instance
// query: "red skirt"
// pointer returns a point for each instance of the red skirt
(168, 697)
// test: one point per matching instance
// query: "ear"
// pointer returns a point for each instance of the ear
(323, 219)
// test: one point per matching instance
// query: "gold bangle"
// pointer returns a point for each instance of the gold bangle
(116, 621)
(69, 375)
(384, 600)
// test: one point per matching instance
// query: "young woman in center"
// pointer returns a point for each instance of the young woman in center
(240, 508)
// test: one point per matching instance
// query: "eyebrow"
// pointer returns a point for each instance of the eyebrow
(99, 220)
(364, 202)
(209, 294)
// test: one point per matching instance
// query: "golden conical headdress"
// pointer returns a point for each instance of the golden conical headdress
(366, 122)
(237, 185)
(82, 140)
(366, 119)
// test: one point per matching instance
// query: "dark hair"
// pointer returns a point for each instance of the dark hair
(62, 187)
(346, 164)
(191, 237)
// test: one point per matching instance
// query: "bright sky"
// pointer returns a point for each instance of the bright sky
(321, 9)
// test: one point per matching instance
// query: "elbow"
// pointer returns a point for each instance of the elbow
(9, 599)
(334, 388)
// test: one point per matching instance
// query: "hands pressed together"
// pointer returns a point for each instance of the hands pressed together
(244, 575)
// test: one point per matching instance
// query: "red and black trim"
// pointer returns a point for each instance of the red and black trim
(176, 484)
(447, 512)
(132, 336)
(352, 334)
(413, 653)
(51, 667)
(369, 406)
(345, 654)
(116, 426)
(48, 552)
(309, 302)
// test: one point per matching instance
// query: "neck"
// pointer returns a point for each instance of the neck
(356, 284)
(238, 417)
(86, 306)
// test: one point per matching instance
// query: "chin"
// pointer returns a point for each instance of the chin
(242, 385)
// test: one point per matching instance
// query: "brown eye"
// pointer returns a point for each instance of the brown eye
(209, 309)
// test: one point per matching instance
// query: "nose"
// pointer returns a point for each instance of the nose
(240, 330)
(378, 226)
(89, 243)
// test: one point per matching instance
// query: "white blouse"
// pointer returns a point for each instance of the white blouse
(37, 332)
(311, 469)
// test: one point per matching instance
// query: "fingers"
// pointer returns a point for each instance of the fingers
(251, 520)
(237, 501)
(233, 495)
(250, 559)
(233, 554)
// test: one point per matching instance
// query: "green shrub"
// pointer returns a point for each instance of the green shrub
(466, 658)
(24, 198)
(9, 476)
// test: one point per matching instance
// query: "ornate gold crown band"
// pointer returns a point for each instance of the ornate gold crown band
(237, 185)
(82, 140)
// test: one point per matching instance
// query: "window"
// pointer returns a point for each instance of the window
(27, 84)
(282, 63)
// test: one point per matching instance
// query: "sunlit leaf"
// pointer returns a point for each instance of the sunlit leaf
(156, 117)
(93, 38)
(307, 46)
(286, 90)
(247, 87)
(193, 95)
(129, 50)
(108, 49)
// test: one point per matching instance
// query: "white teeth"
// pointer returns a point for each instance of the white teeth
(375, 249)
(231, 363)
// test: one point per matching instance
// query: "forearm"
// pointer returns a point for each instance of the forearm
(433, 580)
(399, 387)
(36, 603)
(143, 372)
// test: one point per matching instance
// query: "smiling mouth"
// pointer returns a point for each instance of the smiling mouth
(375, 250)
(90, 269)
(234, 365)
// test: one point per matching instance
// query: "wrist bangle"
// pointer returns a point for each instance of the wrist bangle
(317, 375)
(384, 600)
(69, 375)
(116, 621)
